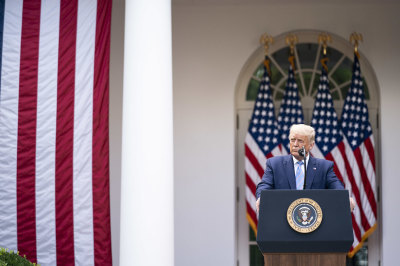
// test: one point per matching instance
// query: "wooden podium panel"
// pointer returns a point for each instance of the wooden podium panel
(304, 259)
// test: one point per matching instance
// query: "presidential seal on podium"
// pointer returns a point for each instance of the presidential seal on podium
(304, 215)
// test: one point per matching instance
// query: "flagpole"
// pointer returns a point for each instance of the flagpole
(354, 39)
(291, 40)
(323, 39)
(266, 40)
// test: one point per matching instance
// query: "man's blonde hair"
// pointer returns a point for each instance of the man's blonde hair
(304, 130)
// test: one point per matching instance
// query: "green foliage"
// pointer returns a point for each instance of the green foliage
(9, 258)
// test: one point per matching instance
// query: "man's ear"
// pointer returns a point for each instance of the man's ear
(312, 145)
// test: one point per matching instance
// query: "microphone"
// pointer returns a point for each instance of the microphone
(302, 152)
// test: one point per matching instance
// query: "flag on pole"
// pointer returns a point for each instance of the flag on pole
(329, 142)
(291, 111)
(262, 142)
(325, 122)
(359, 148)
(54, 154)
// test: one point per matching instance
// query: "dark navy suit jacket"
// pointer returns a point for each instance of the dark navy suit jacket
(279, 174)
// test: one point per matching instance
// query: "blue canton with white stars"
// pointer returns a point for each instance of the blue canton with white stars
(324, 119)
(355, 120)
(263, 125)
(291, 111)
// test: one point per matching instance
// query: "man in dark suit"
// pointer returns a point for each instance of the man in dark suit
(287, 172)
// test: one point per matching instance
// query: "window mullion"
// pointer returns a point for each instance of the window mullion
(299, 70)
(330, 72)
(277, 66)
(315, 68)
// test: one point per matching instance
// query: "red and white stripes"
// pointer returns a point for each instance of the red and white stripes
(54, 128)
(255, 162)
(357, 171)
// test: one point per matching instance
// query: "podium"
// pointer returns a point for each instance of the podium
(304, 227)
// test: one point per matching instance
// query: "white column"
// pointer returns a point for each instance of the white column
(147, 225)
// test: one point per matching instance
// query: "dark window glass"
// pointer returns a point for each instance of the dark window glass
(344, 72)
(252, 235)
(252, 90)
(333, 57)
(256, 257)
(259, 72)
(282, 58)
(306, 53)
(276, 75)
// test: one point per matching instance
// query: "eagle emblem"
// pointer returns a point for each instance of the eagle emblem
(304, 215)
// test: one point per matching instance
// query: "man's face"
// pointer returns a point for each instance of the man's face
(297, 141)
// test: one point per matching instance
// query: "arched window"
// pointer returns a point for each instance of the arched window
(308, 70)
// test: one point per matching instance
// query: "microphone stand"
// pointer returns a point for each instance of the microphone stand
(303, 153)
(305, 170)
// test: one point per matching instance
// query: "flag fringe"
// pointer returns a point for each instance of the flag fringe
(252, 224)
(364, 237)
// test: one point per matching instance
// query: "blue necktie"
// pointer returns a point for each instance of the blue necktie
(299, 175)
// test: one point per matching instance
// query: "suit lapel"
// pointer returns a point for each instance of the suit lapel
(289, 171)
(311, 171)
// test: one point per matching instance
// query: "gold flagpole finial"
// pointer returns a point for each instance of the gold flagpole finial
(354, 39)
(324, 38)
(291, 40)
(266, 40)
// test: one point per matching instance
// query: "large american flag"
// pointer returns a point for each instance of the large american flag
(54, 154)
(262, 141)
(291, 111)
(331, 144)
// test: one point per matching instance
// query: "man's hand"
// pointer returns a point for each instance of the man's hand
(352, 204)
(258, 205)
